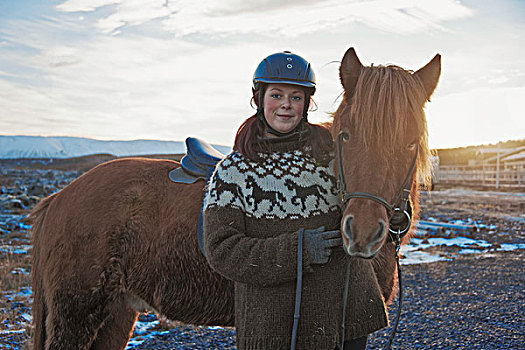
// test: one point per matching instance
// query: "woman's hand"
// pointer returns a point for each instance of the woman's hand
(319, 244)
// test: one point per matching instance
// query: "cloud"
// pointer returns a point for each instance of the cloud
(127, 87)
(281, 19)
(132, 13)
(273, 17)
(85, 5)
(122, 69)
(125, 12)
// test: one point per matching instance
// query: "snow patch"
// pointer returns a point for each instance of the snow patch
(427, 250)
(10, 249)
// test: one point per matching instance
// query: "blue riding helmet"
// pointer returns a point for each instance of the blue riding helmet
(285, 68)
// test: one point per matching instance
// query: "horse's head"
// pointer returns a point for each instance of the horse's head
(383, 135)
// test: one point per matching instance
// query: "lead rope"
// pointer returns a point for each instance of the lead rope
(345, 299)
(400, 298)
(400, 291)
(298, 289)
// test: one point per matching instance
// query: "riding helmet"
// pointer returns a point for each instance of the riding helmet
(285, 68)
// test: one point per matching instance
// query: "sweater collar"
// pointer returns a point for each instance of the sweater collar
(287, 143)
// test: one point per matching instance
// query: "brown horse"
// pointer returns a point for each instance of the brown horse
(122, 237)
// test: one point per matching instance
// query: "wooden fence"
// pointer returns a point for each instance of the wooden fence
(487, 176)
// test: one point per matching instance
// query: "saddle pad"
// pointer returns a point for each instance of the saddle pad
(180, 176)
(198, 164)
(191, 166)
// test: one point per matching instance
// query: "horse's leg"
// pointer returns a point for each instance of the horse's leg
(117, 328)
(39, 312)
(73, 319)
(81, 304)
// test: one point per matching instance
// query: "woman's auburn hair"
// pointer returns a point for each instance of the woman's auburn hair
(250, 141)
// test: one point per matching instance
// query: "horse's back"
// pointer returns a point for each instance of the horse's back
(86, 218)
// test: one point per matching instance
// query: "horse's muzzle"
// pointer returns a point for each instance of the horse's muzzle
(360, 243)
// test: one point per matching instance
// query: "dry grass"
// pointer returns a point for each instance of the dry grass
(14, 271)
(15, 284)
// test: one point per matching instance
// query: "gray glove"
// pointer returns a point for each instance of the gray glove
(319, 244)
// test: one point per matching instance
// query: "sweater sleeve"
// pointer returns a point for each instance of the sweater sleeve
(235, 255)
(258, 261)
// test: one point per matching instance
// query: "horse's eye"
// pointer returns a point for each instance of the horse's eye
(412, 146)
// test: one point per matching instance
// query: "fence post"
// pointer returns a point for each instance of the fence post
(497, 170)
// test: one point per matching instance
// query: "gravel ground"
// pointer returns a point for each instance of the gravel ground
(473, 301)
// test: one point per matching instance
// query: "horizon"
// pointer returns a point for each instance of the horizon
(228, 145)
(162, 70)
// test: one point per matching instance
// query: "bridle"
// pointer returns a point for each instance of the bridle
(400, 203)
(395, 212)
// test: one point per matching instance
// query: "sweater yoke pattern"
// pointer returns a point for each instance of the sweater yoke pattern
(285, 185)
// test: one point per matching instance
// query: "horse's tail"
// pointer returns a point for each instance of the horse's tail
(36, 218)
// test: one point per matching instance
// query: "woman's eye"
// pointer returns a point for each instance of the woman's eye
(296, 98)
(276, 96)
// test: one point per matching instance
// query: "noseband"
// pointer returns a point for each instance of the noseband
(395, 214)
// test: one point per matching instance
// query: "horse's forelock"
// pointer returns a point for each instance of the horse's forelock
(387, 102)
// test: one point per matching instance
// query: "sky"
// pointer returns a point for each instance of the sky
(168, 69)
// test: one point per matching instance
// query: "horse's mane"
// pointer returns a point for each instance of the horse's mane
(387, 102)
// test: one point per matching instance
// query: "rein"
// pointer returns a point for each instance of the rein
(398, 208)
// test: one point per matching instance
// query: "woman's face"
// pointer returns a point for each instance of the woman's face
(283, 106)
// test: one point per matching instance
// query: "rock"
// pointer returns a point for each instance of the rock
(10, 202)
(26, 202)
(37, 190)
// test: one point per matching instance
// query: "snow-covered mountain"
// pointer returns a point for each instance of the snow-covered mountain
(13, 147)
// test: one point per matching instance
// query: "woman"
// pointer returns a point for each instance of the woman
(278, 181)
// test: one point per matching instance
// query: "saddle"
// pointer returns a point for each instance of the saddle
(198, 164)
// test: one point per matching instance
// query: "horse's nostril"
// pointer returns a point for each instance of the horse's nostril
(347, 228)
(380, 231)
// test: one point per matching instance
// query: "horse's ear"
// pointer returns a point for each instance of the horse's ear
(429, 75)
(349, 71)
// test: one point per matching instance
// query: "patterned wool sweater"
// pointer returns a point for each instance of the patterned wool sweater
(252, 216)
